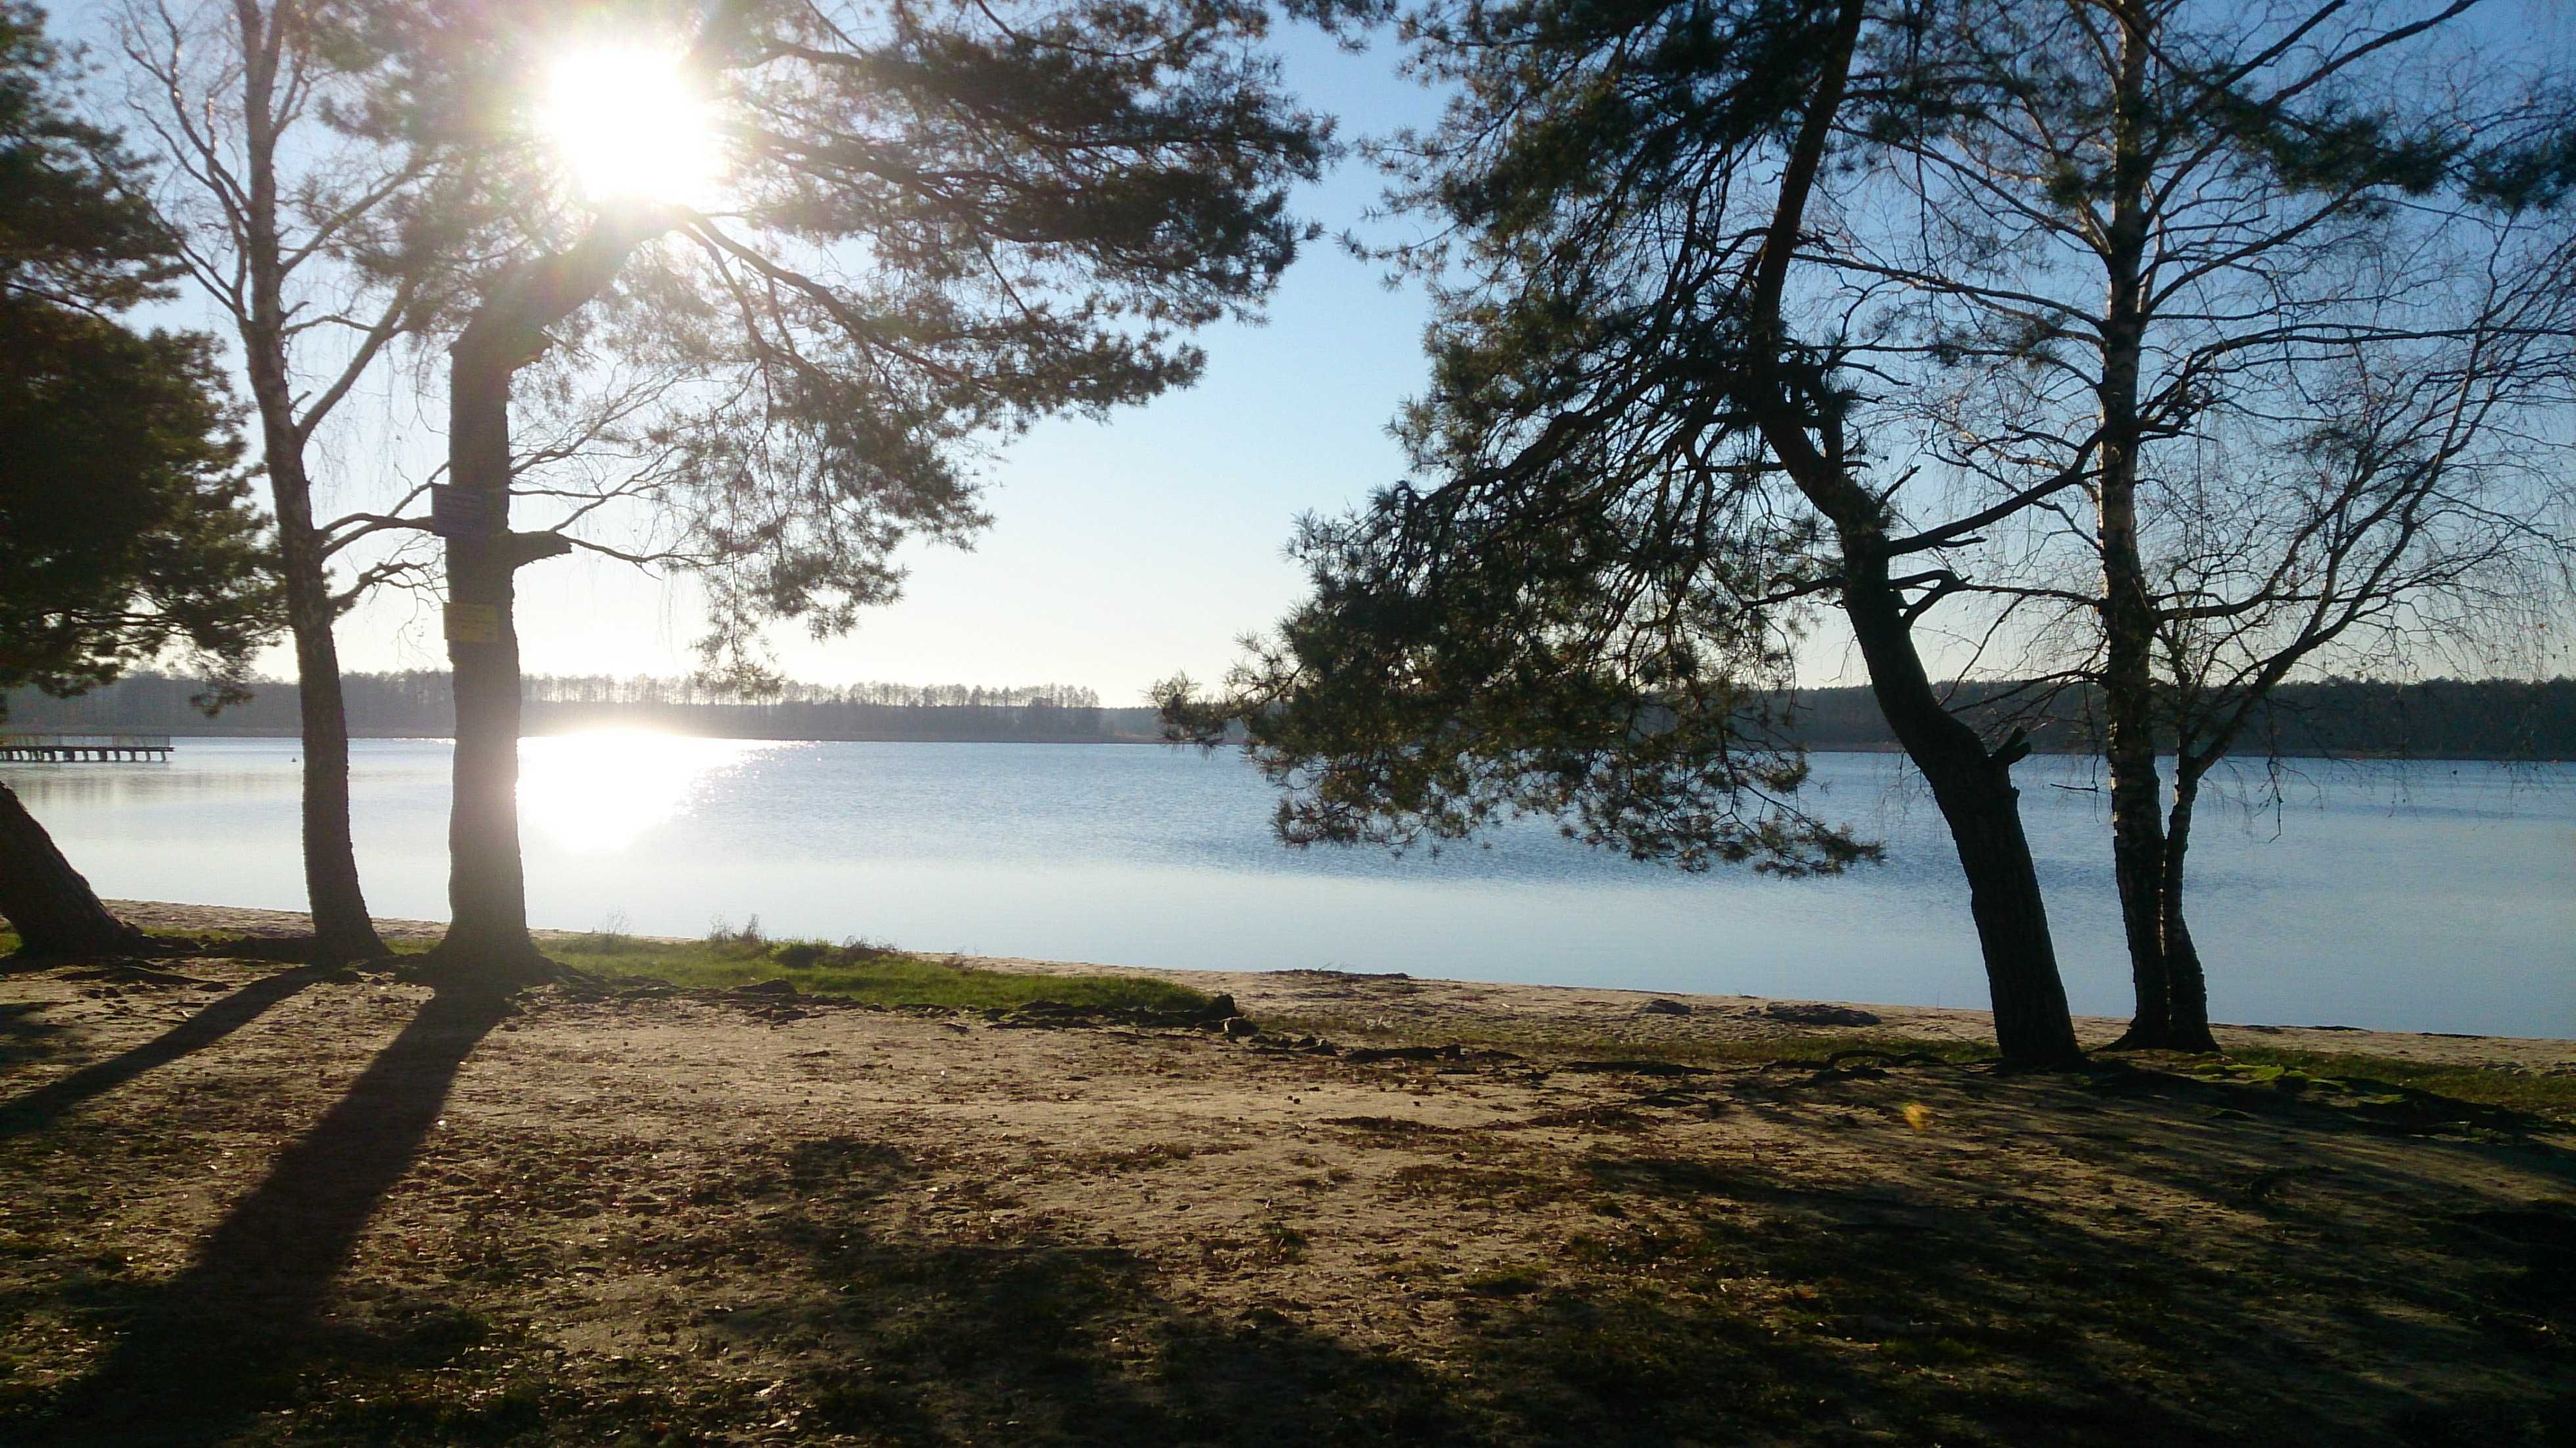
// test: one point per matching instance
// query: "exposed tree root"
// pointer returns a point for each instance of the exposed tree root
(464, 968)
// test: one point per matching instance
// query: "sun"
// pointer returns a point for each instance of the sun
(627, 123)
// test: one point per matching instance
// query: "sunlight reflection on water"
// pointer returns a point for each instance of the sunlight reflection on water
(598, 793)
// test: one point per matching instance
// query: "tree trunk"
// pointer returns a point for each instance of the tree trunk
(45, 900)
(1972, 786)
(2139, 858)
(2138, 845)
(342, 928)
(2188, 988)
(1974, 789)
(487, 893)
(2128, 613)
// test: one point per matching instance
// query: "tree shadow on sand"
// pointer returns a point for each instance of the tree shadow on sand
(37, 1109)
(225, 1338)
(919, 1338)
(1023, 1336)
(2198, 1262)
(25, 1036)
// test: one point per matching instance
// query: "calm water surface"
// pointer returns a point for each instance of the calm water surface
(2429, 896)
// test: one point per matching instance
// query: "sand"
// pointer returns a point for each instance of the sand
(240, 1203)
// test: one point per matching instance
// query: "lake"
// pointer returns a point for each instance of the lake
(2430, 896)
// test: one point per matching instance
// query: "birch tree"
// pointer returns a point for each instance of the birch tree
(2269, 306)
(322, 250)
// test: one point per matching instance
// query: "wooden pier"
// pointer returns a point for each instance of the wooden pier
(84, 748)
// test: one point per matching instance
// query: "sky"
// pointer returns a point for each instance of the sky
(1121, 552)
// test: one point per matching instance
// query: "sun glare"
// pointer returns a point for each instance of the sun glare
(600, 792)
(629, 125)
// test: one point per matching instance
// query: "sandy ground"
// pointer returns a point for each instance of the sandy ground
(247, 1204)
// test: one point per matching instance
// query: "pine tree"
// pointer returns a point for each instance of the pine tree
(934, 225)
(124, 527)
(1645, 458)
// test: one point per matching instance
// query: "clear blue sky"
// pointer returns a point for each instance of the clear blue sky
(1121, 552)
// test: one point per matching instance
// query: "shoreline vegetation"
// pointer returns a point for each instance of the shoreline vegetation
(788, 1197)
(2493, 719)
(731, 956)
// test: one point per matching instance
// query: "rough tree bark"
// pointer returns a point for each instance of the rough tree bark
(45, 900)
(1974, 790)
(487, 936)
(2187, 997)
(487, 887)
(342, 928)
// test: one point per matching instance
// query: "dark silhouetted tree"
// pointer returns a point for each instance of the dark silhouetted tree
(1648, 458)
(123, 525)
(321, 248)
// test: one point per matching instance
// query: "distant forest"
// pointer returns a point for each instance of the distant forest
(2433, 719)
(2429, 719)
(417, 705)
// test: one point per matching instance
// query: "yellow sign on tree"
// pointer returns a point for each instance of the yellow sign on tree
(473, 623)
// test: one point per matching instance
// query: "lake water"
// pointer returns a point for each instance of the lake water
(2426, 896)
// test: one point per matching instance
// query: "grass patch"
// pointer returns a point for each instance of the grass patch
(1551, 1039)
(855, 970)
(2525, 1091)
(1516, 1279)
(870, 974)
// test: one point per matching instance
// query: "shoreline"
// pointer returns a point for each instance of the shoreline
(2357, 756)
(1416, 1006)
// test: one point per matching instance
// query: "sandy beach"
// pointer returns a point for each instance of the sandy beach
(290, 1205)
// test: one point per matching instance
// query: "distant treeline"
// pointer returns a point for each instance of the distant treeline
(2429, 719)
(2433, 719)
(417, 704)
